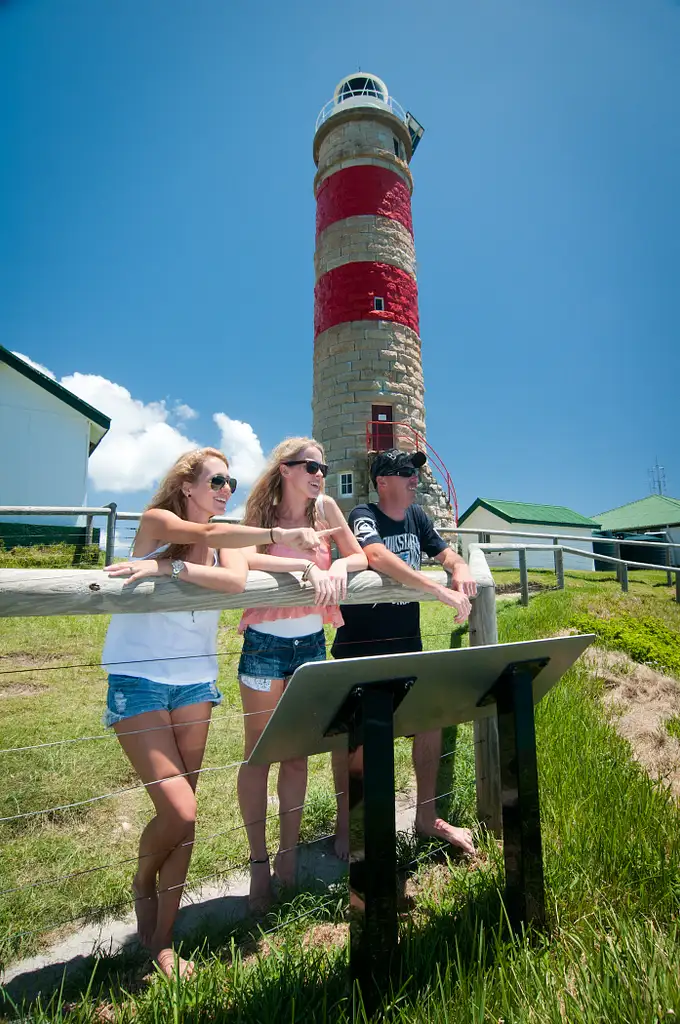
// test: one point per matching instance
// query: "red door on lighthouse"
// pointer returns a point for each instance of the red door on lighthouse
(382, 429)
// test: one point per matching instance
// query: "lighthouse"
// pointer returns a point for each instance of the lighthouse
(369, 393)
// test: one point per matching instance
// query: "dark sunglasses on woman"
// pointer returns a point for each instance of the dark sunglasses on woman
(312, 466)
(218, 481)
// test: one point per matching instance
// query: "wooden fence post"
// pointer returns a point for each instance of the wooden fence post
(559, 564)
(523, 576)
(484, 630)
(111, 532)
(88, 529)
(669, 575)
(623, 577)
(617, 554)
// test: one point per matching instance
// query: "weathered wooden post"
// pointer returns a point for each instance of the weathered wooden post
(623, 577)
(111, 531)
(523, 576)
(484, 630)
(669, 575)
(559, 564)
(617, 554)
(88, 529)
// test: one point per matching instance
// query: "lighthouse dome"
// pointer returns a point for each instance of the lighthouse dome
(361, 89)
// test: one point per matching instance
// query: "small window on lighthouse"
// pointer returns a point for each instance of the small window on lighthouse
(346, 485)
(379, 304)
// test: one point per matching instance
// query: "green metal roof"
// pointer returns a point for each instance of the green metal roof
(654, 510)
(100, 422)
(523, 512)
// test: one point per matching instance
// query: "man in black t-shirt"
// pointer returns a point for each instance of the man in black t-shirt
(393, 534)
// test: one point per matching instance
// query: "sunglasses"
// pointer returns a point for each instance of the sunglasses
(312, 466)
(218, 481)
(406, 471)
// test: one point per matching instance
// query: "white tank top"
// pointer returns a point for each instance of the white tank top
(176, 648)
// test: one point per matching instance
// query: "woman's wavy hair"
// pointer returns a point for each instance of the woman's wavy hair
(170, 496)
(267, 490)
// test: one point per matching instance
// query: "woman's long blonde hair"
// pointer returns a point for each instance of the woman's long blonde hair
(267, 490)
(170, 495)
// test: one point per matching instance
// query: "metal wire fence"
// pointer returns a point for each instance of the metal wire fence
(220, 871)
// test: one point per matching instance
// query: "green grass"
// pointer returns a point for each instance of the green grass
(52, 556)
(611, 840)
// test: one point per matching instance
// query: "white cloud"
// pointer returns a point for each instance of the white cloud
(184, 412)
(36, 366)
(242, 447)
(141, 444)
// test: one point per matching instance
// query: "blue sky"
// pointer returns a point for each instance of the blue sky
(157, 223)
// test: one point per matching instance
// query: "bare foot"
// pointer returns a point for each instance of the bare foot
(168, 962)
(285, 868)
(437, 828)
(341, 844)
(146, 909)
(260, 896)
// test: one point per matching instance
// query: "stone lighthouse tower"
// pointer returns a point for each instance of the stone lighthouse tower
(368, 376)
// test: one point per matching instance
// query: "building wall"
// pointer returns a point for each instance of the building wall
(482, 519)
(44, 448)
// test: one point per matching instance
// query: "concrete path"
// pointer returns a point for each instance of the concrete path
(214, 905)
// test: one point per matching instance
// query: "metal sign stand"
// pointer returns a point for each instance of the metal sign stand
(366, 702)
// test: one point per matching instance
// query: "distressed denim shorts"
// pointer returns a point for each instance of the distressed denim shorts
(265, 657)
(131, 695)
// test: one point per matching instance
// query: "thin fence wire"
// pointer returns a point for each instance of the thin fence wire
(119, 792)
(189, 657)
(194, 882)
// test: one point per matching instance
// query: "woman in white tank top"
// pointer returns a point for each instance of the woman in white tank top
(163, 672)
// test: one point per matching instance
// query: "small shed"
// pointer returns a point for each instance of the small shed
(656, 516)
(489, 514)
(47, 435)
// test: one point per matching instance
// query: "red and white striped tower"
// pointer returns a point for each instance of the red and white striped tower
(368, 377)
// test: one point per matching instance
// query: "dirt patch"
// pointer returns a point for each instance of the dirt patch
(21, 690)
(326, 935)
(27, 659)
(514, 588)
(641, 701)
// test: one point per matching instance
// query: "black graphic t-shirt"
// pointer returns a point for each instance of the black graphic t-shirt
(387, 628)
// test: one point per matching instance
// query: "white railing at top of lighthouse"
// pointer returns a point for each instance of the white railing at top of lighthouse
(358, 99)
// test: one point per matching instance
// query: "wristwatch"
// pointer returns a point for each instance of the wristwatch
(177, 566)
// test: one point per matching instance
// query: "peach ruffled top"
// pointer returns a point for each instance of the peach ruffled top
(330, 613)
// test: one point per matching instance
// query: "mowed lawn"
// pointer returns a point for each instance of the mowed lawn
(611, 840)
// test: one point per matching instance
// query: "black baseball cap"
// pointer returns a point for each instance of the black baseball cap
(388, 463)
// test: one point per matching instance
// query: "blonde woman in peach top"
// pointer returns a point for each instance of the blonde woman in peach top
(278, 640)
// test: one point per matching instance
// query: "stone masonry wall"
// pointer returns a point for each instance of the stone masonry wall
(364, 238)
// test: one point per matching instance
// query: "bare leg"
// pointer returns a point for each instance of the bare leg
(341, 761)
(166, 843)
(252, 791)
(427, 747)
(291, 788)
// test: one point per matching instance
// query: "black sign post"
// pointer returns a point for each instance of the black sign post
(366, 702)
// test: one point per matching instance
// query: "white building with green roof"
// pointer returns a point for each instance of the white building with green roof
(489, 514)
(656, 514)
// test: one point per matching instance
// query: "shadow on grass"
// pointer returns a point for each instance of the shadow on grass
(300, 979)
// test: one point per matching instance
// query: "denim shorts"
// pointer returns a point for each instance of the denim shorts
(131, 695)
(265, 657)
